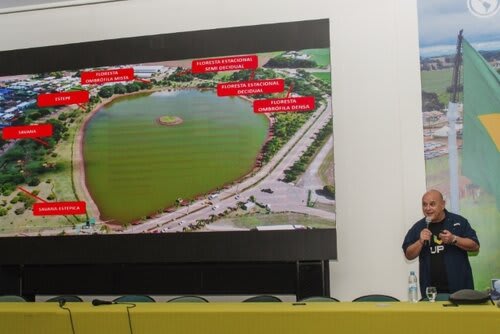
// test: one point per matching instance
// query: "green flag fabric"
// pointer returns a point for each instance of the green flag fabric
(481, 146)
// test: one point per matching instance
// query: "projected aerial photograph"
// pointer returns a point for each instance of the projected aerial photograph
(460, 71)
(238, 142)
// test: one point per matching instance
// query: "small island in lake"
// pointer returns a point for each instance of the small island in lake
(169, 120)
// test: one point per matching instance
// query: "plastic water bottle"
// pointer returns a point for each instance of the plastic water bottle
(412, 288)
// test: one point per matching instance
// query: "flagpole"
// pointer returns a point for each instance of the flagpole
(452, 115)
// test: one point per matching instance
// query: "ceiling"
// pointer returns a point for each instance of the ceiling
(13, 6)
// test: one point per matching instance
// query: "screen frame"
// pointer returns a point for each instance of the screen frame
(247, 246)
(239, 246)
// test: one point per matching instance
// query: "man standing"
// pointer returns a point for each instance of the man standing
(441, 241)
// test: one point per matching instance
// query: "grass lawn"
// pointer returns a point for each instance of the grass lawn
(61, 180)
(437, 82)
(167, 119)
(437, 170)
(325, 207)
(326, 170)
(325, 76)
(262, 219)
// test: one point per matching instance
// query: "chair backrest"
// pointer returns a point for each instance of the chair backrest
(376, 298)
(188, 299)
(66, 298)
(320, 299)
(263, 299)
(440, 297)
(11, 298)
(134, 299)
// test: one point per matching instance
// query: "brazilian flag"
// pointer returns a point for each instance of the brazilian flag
(481, 131)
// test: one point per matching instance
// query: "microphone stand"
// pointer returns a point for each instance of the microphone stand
(99, 302)
(61, 303)
(129, 306)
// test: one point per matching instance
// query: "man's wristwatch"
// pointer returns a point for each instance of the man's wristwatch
(455, 240)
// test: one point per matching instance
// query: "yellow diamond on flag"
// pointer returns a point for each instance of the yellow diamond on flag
(492, 124)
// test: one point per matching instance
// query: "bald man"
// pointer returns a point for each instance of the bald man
(441, 241)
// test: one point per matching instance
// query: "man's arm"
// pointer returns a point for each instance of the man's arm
(464, 243)
(415, 248)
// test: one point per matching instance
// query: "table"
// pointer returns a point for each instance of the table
(243, 318)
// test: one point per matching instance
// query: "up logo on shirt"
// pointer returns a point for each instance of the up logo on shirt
(436, 240)
(438, 245)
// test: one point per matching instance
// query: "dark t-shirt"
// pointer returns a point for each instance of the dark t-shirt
(439, 278)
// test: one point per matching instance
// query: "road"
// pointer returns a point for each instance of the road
(311, 179)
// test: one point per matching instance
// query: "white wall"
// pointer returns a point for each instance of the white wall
(376, 90)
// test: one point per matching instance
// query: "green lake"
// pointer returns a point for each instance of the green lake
(135, 166)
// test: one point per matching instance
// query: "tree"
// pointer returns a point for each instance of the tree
(329, 190)
(95, 99)
(304, 74)
(57, 75)
(206, 76)
(133, 87)
(35, 167)
(282, 62)
(119, 89)
(58, 129)
(19, 211)
(106, 91)
(430, 102)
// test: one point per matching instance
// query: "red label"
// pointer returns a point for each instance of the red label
(28, 131)
(105, 76)
(292, 104)
(225, 64)
(59, 208)
(251, 87)
(60, 99)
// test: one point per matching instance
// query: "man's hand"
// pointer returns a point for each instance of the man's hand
(425, 235)
(446, 236)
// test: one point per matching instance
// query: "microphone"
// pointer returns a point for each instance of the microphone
(428, 220)
(98, 302)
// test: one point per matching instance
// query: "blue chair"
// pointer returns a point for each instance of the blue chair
(376, 298)
(65, 298)
(11, 298)
(440, 297)
(134, 299)
(319, 299)
(188, 299)
(263, 299)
